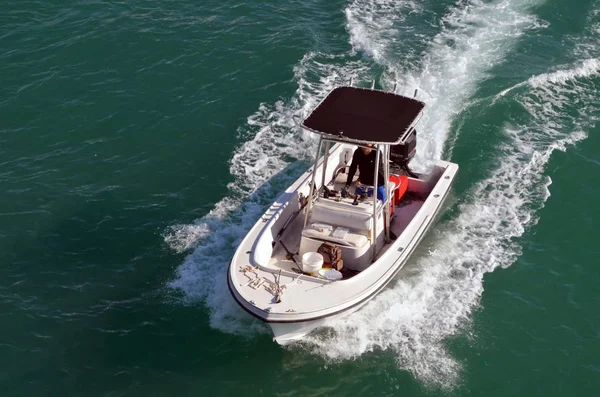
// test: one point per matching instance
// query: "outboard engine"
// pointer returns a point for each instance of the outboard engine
(402, 153)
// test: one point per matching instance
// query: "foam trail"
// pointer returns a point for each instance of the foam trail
(373, 25)
(588, 47)
(587, 68)
(475, 36)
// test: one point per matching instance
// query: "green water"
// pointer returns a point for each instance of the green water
(140, 140)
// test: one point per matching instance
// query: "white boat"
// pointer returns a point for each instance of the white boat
(267, 276)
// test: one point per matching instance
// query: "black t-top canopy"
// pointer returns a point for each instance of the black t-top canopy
(363, 114)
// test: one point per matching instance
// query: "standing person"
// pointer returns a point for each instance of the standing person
(364, 159)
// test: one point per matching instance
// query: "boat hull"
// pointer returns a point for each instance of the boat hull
(287, 333)
(308, 302)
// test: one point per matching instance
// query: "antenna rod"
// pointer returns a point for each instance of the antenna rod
(373, 84)
(394, 90)
(416, 90)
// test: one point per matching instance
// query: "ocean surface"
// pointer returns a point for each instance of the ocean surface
(140, 140)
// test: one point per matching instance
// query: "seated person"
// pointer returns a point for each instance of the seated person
(364, 159)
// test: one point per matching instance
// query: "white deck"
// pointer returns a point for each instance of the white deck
(403, 215)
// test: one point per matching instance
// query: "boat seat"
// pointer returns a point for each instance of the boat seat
(349, 226)
(355, 246)
(343, 213)
(342, 177)
(339, 235)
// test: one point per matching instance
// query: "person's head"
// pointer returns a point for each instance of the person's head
(368, 149)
